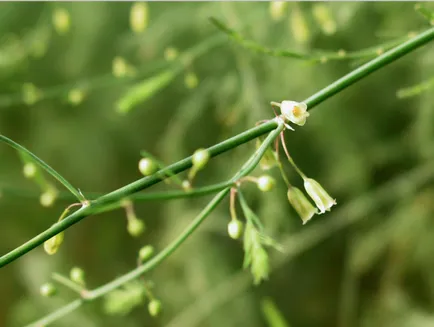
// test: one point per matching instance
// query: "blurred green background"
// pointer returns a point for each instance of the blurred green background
(369, 262)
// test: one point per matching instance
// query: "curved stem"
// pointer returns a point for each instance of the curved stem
(44, 166)
(224, 146)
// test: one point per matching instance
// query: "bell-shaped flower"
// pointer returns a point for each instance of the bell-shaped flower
(295, 112)
(301, 204)
(317, 193)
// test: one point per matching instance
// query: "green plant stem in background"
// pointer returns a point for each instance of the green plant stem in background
(155, 261)
(44, 166)
(109, 80)
(313, 55)
(219, 148)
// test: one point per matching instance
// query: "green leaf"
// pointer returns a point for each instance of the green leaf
(144, 90)
(272, 314)
(43, 165)
(249, 214)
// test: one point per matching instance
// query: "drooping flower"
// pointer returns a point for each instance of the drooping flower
(301, 204)
(317, 193)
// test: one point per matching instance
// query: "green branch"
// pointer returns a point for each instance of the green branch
(160, 257)
(314, 55)
(219, 148)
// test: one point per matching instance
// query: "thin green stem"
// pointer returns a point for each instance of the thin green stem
(219, 148)
(314, 56)
(57, 314)
(43, 165)
(370, 67)
(156, 260)
(291, 161)
(67, 283)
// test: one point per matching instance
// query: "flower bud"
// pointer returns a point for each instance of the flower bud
(191, 81)
(295, 112)
(200, 158)
(31, 94)
(170, 54)
(265, 183)
(321, 198)
(61, 21)
(77, 275)
(323, 16)
(301, 204)
(139, 17)
(52, 245)
(277, 9)
(299, 26)
(154, 307)
(186, 185)
(48, 198)
(75, 96)
(147, 166)
(29, 170)
(47, 290)
(146, 252)
(235, 229)
(135, 227)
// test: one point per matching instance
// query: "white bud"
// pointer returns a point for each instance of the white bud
(29, 169)
(265, 183)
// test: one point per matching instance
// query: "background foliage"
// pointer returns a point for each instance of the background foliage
(374, 269)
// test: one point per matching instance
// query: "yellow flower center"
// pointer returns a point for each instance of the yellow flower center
(297, 112)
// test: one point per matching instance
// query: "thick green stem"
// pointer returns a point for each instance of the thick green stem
(224, 146)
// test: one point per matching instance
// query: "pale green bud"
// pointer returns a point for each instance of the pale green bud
(135, 227)
(29, 170)
(301, 204)
(61, 21)
(77, 275)
(200, 158)
(191, 80)
(154, 307)
(48, 198)
(75, 96)
(170, 54)
(120, 67)
(323, 16)
(265, 183)
(47, 290)
(139, 17)
(146, 252)
(277, 9)
(317, 193)
(299, 27)
(147, 166)
(31, 94)
(52, 245)
(235, 229)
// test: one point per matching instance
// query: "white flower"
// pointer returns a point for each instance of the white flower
(301, 204)
(295, 112)
(317, 193)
